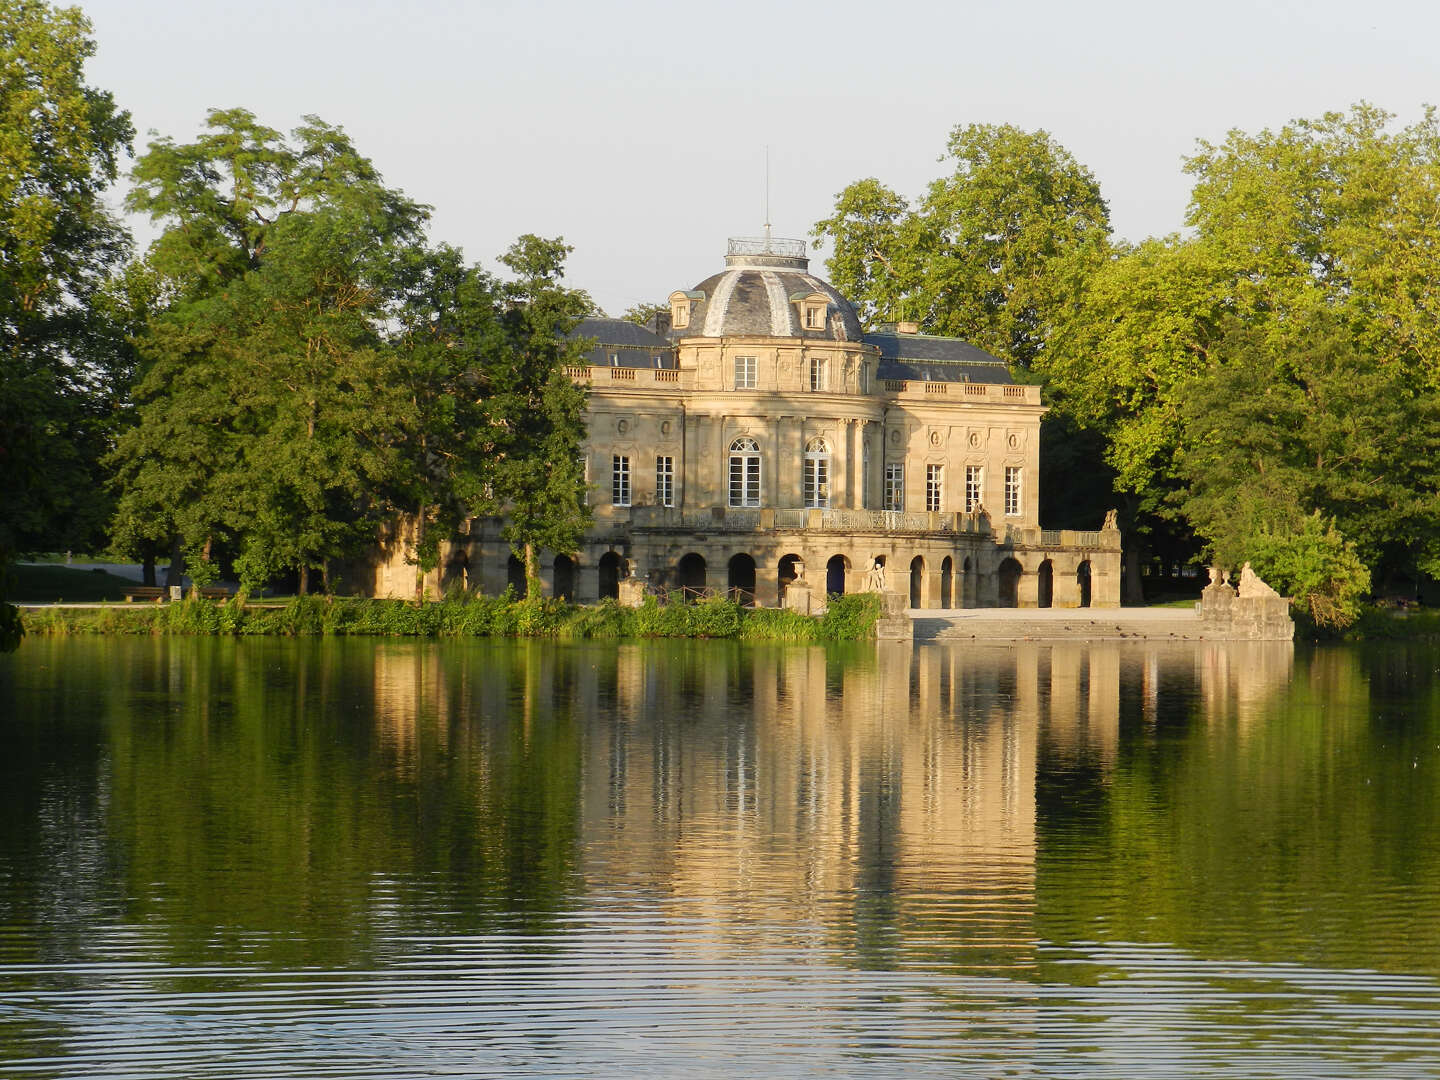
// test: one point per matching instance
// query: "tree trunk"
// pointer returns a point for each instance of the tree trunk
(325, 576)
(176, 570)
(1131, 589)
(147, 567)
(419, 561)
(532, 573)
(304, 580)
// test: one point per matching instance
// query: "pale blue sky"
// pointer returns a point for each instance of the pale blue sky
(637, 130)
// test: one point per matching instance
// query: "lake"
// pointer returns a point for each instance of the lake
(358, 858)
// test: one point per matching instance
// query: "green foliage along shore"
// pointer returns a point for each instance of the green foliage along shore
(849, 618)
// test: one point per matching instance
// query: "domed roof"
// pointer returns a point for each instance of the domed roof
(762, 293)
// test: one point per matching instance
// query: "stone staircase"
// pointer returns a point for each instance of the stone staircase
(1020, 624)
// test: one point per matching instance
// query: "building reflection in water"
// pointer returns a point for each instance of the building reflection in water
(887, 794)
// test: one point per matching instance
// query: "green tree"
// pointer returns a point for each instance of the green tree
(60, 145)
(992, 253)
(537, 412)
(1273, 433)
(265, 412)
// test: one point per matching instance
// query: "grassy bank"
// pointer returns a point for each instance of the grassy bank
(49, 583)
(849, 618)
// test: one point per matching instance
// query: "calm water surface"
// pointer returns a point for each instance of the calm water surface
(355, 859)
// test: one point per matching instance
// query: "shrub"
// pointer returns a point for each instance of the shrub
(1316, 567)
(851, 617)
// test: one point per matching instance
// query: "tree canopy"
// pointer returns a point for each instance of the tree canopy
(990, 253)
(61, 141)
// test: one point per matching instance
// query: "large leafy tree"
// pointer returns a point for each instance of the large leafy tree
(536, 410)
(1272, 434)
(991, 253)
(265, 414)
(60, 145)
(1325, 223)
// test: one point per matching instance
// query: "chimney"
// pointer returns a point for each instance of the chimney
(907, 328)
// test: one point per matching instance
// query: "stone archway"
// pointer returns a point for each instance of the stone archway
(835, 571)
(564, 568)
(1082, 579)
(967, 583)
(515, 577)
(612, 569)
(917, 581)
(1045, 584)
(691, 573)
(741, 579)
(1009, 574)
(786, 575)
(947, 574)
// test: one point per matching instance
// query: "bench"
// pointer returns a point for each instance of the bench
(162, 592)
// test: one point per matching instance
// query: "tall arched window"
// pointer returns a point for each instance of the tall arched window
(817, 473)
(744, 472)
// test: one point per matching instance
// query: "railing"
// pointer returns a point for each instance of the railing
(1030, 395)
(669, 377)
(765, 245)
(815, 519)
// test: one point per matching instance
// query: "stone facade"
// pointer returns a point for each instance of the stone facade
(757, 434)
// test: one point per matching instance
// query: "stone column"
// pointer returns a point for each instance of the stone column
(719, 470)
(840, 468)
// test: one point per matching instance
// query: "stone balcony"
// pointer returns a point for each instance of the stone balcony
(731, 519)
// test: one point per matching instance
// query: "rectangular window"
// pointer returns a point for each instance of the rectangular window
(864, 378)
(665, 481)
(974, 488)
(814, 317)
(745, 480)
(619, 480)
(817, 480)
(744, 373)
(1012, 490)
(817, 373)
(894, 487)
(934, 486)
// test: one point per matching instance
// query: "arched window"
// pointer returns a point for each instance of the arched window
(744, 472)
(817, 473)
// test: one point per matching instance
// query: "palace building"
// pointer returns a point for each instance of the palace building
(756, 434)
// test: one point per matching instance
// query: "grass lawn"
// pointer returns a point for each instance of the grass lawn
(46, 584)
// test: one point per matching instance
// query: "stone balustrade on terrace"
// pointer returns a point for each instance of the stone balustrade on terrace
(727, 519)
(600, 376)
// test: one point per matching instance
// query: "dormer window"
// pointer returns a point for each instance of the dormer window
(681, 304)
(813, 309)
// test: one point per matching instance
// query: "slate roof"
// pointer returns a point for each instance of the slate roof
(756, 301)
(926, 358)
(618, 343)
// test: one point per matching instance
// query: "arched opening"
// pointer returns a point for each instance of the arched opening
(835, 571)
(564, 577)
(917, 581)
(787, 573)
(742, 579)
(515, 576)
(692, 575)
(1082, 578)
(967, 583)
(611, 571)
(744, 472)
(947, 572)
(1010, 572)
(1046, 584)
(817, 473)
